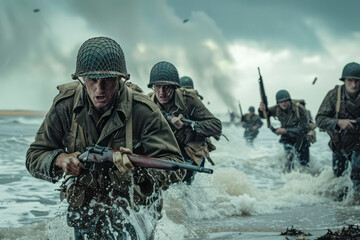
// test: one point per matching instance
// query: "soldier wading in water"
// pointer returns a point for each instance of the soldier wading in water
(339, 115)
(251, 122)
(294, 127)
(179, 103)
(101, 109)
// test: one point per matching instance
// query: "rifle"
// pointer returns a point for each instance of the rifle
(241, 113)
(264, 100)
(169, 117)
(98, 154)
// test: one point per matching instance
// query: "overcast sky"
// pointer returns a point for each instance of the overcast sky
(219, 47)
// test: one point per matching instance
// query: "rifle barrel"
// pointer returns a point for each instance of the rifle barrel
(103, 154)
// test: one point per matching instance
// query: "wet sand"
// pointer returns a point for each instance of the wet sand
(22, 113)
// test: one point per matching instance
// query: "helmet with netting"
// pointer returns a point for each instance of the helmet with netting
(351, 70)
(282, 96)
(164, 73)
(100, 57)
(186, 82)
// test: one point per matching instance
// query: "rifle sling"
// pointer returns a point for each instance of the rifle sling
(338, 102)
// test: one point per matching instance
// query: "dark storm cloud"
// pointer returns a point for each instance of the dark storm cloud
(278, 23)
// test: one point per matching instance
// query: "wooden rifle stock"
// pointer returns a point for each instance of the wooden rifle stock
(98, 154)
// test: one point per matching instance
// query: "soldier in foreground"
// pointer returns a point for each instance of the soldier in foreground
(339, 115)
(251, 122)
(100, 109)
(294, 127)
(191, 122)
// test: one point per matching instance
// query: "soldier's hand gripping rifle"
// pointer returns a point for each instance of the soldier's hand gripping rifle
(99, 154)
(264, 101)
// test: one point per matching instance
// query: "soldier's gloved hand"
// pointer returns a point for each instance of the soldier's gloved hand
(122, 161)
(176, 121)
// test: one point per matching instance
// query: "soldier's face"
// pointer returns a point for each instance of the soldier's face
(284, 105)
(101, 91)
(352, 85)
(164, 93)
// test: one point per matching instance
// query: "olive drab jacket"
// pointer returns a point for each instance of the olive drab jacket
(296, 124)
(250, 120)
(151, 136)
(336, 105)
(207, 125)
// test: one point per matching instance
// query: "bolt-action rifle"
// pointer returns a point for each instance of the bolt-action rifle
(264, 100)
(98, 154)
(241, 112)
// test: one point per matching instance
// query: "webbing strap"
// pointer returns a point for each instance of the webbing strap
(74, 126)
(129, 144)
(182, 100)
(128, 124)
(338, 101)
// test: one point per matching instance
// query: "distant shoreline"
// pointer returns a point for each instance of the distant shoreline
(22, 113)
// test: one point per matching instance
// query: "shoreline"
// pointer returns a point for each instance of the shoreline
(22, 113)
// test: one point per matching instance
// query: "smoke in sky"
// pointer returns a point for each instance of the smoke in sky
(219, 47)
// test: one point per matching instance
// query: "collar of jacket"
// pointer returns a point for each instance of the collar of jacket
(177, 102)
(115, 122)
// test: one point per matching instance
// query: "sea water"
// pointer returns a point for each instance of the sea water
(250, 195)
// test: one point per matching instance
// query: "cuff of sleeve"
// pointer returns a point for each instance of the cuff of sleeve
(53, 171)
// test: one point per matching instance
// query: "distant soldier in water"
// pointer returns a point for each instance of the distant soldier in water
(187, 83)
(294, 127)
(179, 105)
(251, 122)
(339, 115)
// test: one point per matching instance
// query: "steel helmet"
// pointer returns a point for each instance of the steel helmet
(186, 82)
(100, 57)
(164, 73)
(282, 95)
(351, 70)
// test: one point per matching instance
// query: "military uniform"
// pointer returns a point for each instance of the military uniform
(344, 144)
(249, 121)
(294, 139)
(72, 124)
(194, 141)
(189, 140)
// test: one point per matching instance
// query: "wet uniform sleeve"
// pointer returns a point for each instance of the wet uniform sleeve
(325, 118)
(157, 140)
(207, 124)
(47, 146)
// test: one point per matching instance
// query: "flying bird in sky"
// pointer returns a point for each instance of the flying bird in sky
(314, 80)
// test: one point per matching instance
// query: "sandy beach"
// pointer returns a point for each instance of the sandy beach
(22, 113)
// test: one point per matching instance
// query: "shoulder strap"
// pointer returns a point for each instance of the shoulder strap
(128, 124)
(182, 100)
(338, 101)
(74, 126)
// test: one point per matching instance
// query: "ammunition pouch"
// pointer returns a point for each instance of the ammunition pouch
(185, 135)
(74, 188)
(334, 139)
(197, 150)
